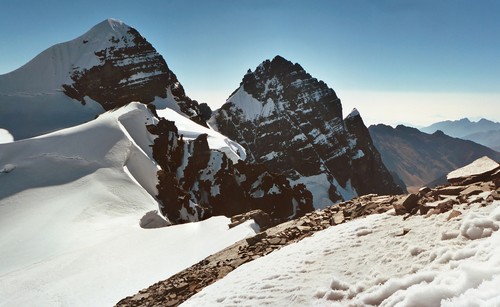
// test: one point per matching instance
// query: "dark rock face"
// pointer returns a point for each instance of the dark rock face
(369, 163)
(197, 182)
(129, 70)
(292, 123)
(420, 158)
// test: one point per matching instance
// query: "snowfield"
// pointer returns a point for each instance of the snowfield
(72, 204)
(379, 260)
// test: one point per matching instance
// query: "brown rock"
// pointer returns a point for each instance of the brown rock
(409, 202)
(257, 238)
(260, 217)
(423, 190)
(453, 214)
(495, 194)
(432, 212)
(338, 218)
(449, 190)
(400, 209)
(274, 241)
(472, 190)
(171, 302)
(424, 209)
(446, 206)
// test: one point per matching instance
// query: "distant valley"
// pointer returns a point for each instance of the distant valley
(419, 158)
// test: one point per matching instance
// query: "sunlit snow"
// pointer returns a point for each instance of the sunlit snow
(71, 208)
(370, 261)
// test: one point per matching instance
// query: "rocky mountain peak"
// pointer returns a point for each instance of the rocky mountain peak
(293, 123)
(128, 68)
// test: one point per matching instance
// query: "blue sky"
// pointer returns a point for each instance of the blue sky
(396, 61)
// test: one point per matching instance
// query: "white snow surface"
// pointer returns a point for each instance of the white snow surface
(71, 205)
(190, 130)
(31, 97)
(479, 166)
(56, 63)
(5, 136)
(369, 262)
(353, 113)
(251, 107)
(319, 186)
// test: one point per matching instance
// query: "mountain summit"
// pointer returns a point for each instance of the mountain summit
(292, 123)
(109, 66)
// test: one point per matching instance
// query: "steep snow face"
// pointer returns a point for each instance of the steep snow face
(73, 208)
(52, 68)
(70, 83)
(5, 136)
(293, 124)
(113, 141)
(437, 262)
(191, 130)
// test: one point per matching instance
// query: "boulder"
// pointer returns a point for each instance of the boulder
(338, 218)
(472, 190)
(260, 217)
(409, 202)
(479, 170)
(257, 238)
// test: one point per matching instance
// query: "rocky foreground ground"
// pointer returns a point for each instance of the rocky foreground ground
(483, 188)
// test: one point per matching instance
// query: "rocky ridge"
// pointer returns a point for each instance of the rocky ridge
(482, 188)
(293, 123)
(196, 182)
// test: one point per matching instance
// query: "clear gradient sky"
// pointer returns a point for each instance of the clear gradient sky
(397, 61)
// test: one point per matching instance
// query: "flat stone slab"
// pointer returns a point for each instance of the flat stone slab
(480, 166)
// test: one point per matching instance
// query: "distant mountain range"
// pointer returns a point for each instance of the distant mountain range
(419, 158)
(483, 132)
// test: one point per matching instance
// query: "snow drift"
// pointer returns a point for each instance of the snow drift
(71, 208)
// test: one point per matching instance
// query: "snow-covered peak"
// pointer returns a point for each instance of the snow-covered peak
(53, 67)
(353, 113)
(114, 23)
(106, 29)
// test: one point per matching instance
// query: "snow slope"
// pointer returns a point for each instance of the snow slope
(71, 209)
(56, 63)
(190, 130)
(33, 92)
(374, 261)
(35, 99)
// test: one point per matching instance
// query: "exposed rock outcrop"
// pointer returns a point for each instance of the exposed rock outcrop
(479, 170)
(292, 123)
(181, 286)
(196, 182)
